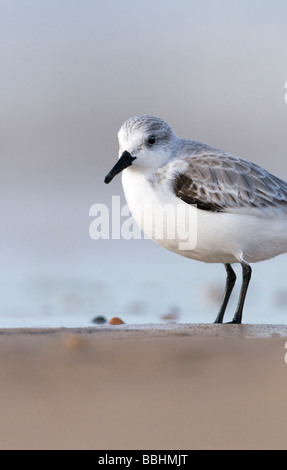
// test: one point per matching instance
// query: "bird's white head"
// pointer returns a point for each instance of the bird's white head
(146, 143)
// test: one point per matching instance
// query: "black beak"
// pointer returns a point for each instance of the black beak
(125, 161)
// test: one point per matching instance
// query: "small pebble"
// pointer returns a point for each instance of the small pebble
(169, 316)
(99, 320)
(73, 341)
(116, 321)
(173, 314)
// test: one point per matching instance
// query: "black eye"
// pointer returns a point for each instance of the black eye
(151, 140)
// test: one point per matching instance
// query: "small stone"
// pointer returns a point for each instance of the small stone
(99, 320)
(116, 321)
(172, 315)
(73, 341)
(169, 317)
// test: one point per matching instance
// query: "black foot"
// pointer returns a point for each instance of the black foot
(233, 322)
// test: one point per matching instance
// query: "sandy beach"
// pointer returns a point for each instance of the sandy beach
(154, 387)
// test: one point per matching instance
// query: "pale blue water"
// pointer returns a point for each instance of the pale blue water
(141, 283)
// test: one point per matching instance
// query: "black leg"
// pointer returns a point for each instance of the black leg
(230, 281)
(246, 272)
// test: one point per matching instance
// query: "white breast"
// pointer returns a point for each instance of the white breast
(216, 237)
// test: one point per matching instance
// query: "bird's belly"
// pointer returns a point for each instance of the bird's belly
(214, 237)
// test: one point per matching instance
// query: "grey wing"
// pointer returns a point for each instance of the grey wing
(223, 182)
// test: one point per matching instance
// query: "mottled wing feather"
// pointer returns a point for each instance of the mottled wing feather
(223, 182)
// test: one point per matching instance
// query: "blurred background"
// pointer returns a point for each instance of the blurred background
(72, 71)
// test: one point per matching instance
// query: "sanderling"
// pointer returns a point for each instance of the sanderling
(240, 208)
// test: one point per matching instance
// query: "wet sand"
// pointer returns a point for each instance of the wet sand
(155, 387)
